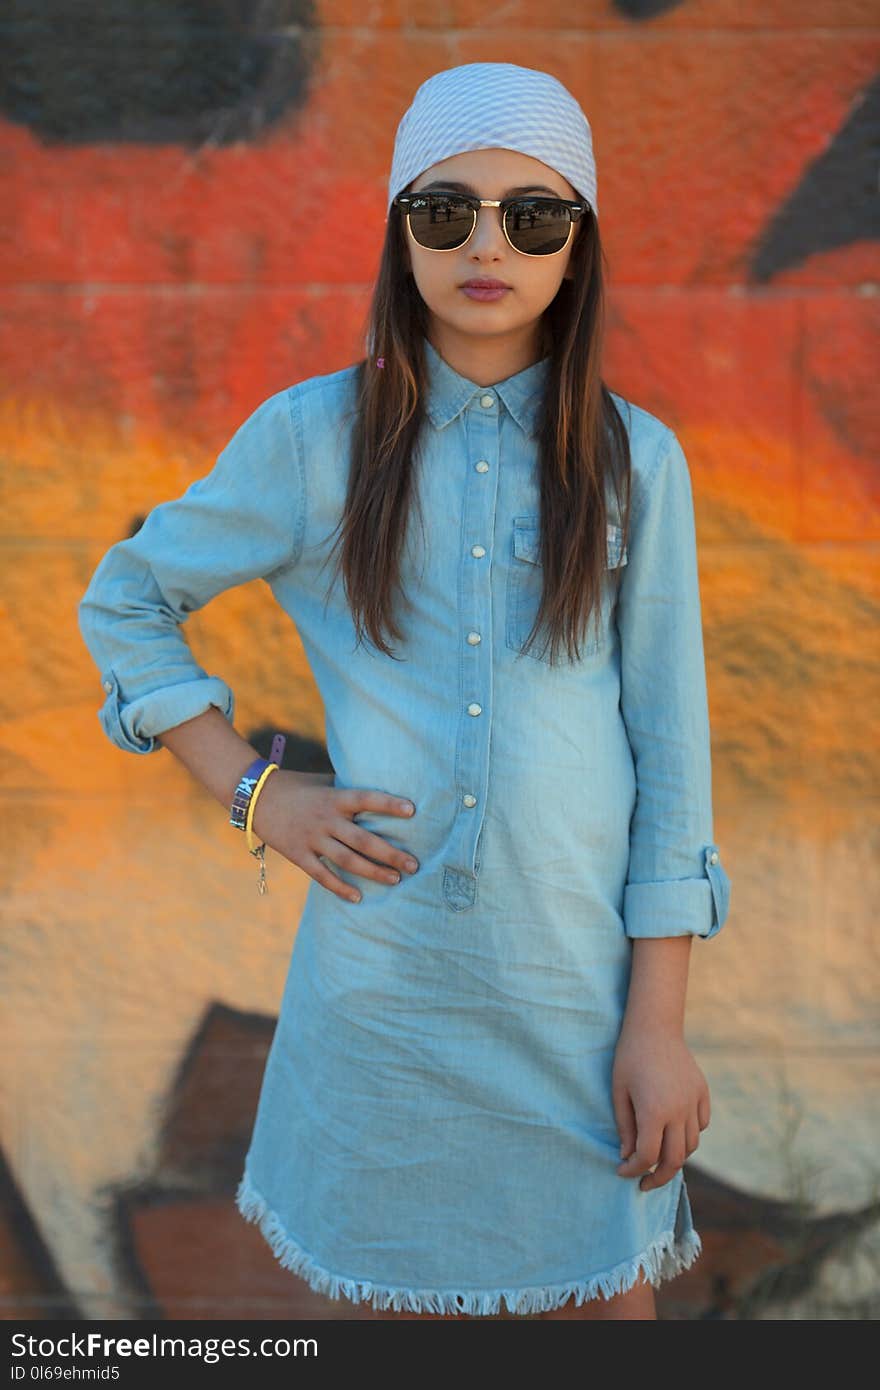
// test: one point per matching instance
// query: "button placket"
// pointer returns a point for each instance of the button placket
(482, 438)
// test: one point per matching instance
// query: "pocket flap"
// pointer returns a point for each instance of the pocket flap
(527, 540)
(527, 543)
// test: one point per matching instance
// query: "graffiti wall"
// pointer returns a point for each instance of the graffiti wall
(192, 205)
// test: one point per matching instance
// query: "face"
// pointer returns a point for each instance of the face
(458, 322)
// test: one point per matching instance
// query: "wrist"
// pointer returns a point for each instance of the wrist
(644, 1021)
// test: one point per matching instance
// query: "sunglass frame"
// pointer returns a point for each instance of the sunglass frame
(576, 210)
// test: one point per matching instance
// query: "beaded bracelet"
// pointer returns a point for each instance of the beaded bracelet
(244, 801)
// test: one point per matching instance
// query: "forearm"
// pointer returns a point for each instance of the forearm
(209, 747)
(658, 983)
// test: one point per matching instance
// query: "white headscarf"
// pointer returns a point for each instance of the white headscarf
(480, 106)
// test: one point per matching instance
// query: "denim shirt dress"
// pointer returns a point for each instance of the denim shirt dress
(435, 1129)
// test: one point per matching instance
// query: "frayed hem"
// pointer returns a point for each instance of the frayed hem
(663, 1258)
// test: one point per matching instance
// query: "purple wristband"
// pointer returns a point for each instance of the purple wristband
(250, 777)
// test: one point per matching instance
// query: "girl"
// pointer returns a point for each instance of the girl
(478, 1098)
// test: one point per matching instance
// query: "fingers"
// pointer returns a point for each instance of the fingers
(355, 848)
(353, 799)
(342, 854)
(663, 1148)
(625, 1119)
(649, 1139)
(370, 846)
(671, 1158)
(692, 1135)
(320, 872)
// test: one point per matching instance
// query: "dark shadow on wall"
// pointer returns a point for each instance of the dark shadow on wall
(154, 71)
(300, 754)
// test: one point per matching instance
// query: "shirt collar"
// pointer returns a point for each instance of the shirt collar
(449, 393)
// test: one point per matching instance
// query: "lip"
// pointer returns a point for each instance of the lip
(485, 290)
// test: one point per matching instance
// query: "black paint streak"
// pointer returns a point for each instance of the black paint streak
(641, 10)
(154, 71)
(33, 1286)
(837, 201)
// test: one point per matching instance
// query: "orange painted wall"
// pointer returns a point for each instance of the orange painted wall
(175, 248)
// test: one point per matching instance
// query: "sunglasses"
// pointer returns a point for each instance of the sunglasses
(534, 226)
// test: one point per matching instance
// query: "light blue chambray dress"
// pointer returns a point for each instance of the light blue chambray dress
(435, 1128)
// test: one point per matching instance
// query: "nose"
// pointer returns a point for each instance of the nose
(488, 234)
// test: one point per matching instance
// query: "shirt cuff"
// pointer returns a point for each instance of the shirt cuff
(680, 907)
(133, 726)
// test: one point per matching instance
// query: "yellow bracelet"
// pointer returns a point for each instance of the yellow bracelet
(251, 838)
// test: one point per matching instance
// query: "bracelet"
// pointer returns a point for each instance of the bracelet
(244, 791)
(251, 840)
(259, 850)
(244, 800)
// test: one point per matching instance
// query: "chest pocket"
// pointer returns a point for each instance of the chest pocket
(524, 585)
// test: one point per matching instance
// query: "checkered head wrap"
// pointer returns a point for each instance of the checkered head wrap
(479, 106)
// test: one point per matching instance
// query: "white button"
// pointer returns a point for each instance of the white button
(482, 466)
(487, 402)
(474, 638)
(478, 550)
(469, 800)
(713, 857)
(475, 709)
(108, 685)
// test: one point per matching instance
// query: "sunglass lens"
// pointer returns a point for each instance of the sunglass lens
(538, 227)
(440, 223)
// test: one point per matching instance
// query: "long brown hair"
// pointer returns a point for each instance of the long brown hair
(583, 448)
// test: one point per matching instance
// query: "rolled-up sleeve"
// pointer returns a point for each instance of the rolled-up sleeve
(243, 520)
(676, 884)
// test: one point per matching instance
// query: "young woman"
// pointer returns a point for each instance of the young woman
(478, 1097)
